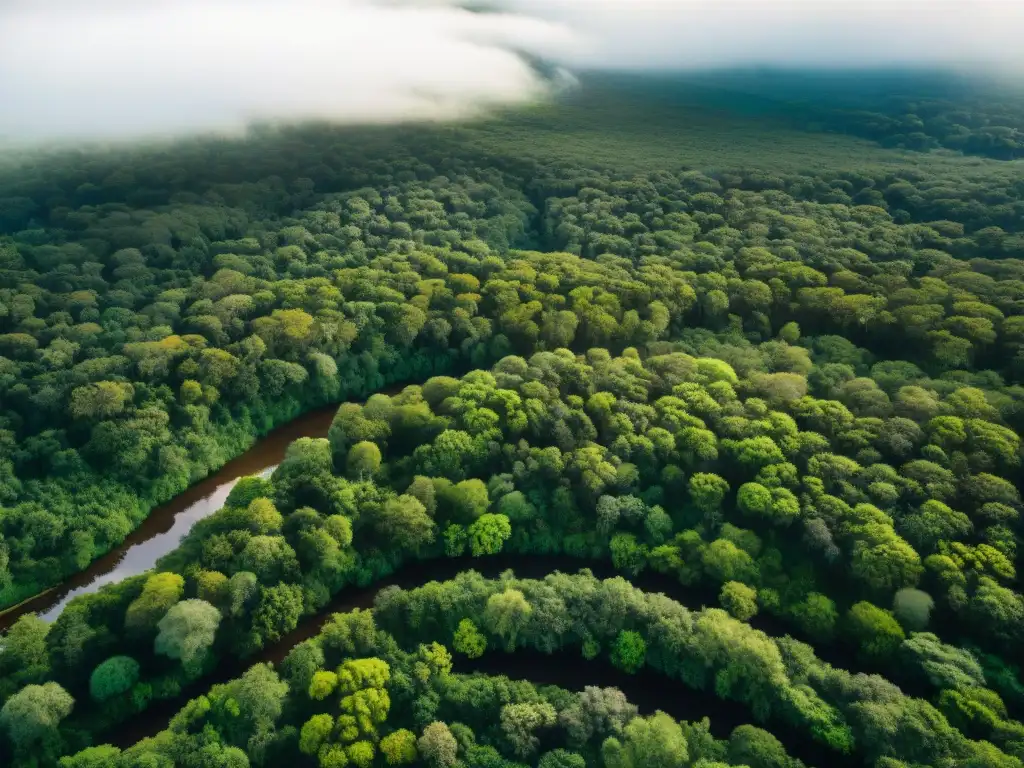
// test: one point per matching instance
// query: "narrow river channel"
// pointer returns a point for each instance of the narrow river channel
(647, 689)
(417, 573)
(163, 529)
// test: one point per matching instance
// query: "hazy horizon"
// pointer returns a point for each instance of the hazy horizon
(115, 70)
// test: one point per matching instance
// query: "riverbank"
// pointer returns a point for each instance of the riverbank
(161, 531)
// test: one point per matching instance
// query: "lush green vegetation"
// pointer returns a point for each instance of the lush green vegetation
(355, 696)
(792, 390)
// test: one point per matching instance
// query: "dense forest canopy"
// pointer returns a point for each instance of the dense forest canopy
(770, 374)
(908, 109)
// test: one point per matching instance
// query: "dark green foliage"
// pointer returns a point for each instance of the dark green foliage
(114, 676)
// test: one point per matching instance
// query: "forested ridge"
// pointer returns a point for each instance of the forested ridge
(792, 393)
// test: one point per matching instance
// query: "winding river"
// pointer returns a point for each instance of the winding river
(163, 529)
(647, 689)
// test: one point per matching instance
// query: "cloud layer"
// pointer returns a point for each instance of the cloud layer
(124, 69)
(684, 34)
(120, 68)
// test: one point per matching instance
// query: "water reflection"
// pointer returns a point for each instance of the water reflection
(167, 524)
(144, 555)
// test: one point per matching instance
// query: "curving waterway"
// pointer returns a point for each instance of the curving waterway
(647, 689)
(415, 574)
(162, 531)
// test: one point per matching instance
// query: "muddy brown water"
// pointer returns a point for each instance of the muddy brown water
(161, 532)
